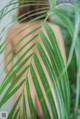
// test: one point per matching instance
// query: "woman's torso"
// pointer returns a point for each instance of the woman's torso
(20, 32)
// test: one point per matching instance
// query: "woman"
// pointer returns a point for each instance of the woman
(14, 35)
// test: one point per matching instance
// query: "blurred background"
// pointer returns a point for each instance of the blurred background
(7, 19)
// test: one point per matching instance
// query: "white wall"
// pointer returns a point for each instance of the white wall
(4, 23)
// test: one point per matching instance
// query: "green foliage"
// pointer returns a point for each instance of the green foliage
(60, 75)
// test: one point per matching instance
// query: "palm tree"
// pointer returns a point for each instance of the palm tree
(68, 19)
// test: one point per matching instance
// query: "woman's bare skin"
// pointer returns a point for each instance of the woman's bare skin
(12, 41)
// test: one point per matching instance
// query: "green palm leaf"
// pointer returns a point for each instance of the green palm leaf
(47, 68)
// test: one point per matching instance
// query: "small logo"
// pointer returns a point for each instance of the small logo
(3, 115)
(68, 2)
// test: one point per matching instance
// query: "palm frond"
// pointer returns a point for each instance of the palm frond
(46, 69)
